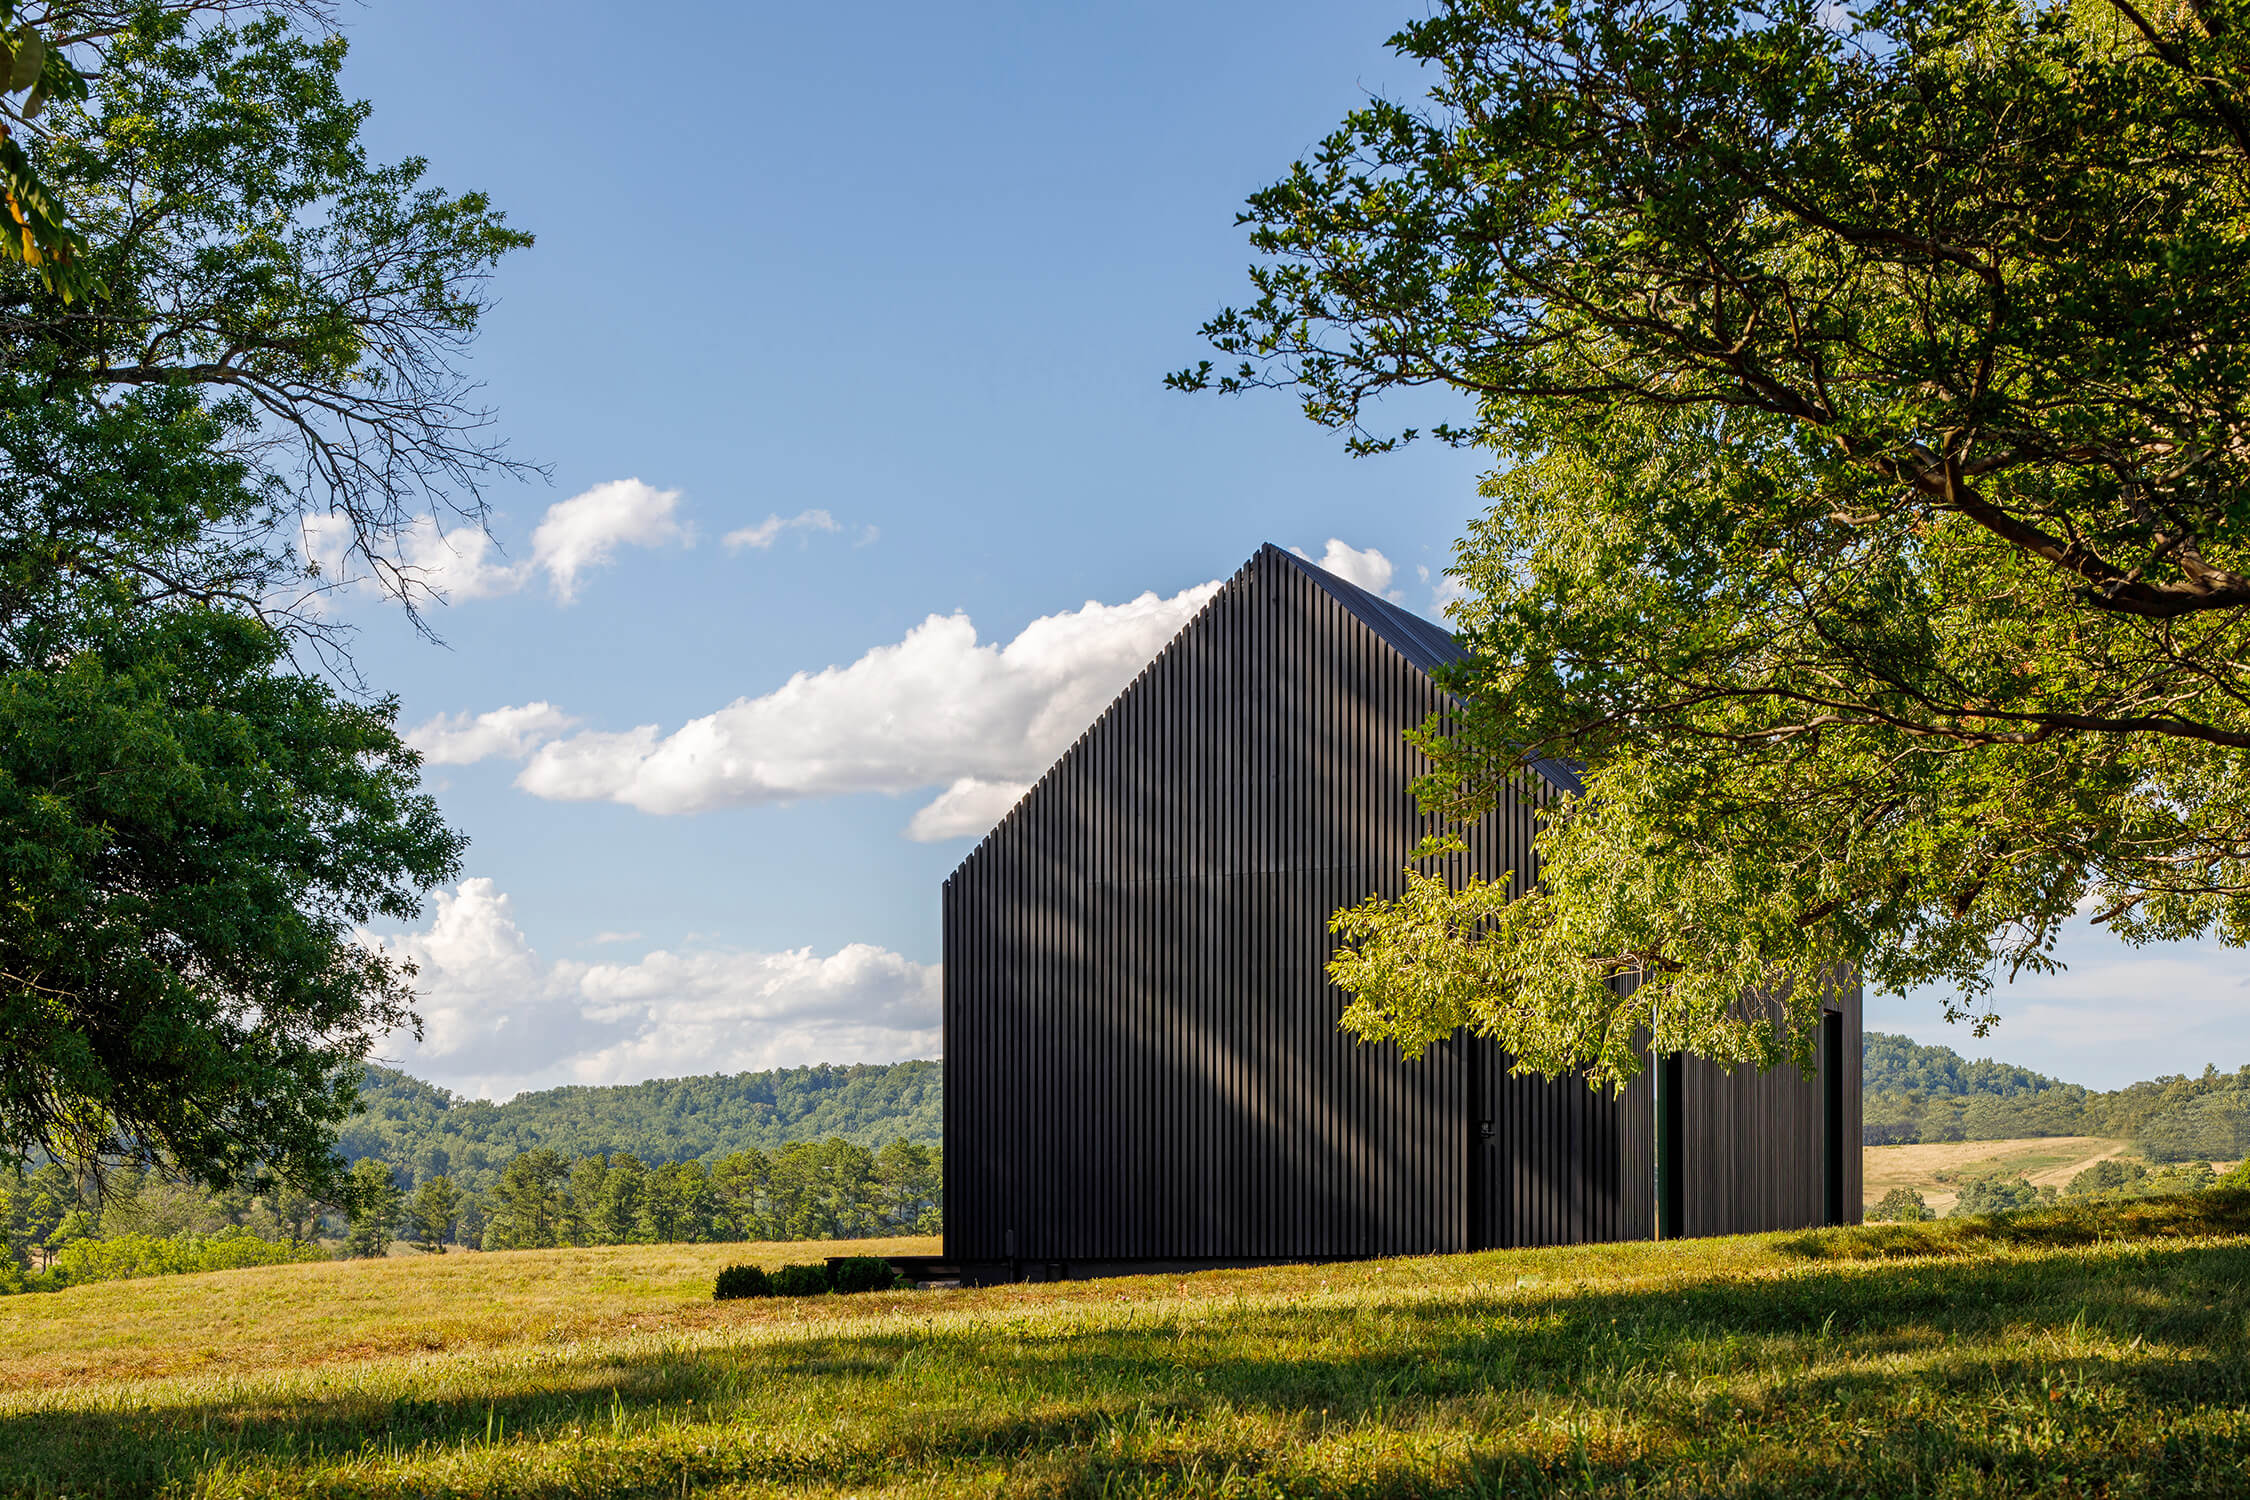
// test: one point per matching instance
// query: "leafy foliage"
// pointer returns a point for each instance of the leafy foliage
(1912, 1092)
(830, 1189)
(1917, 1093)
(33, 62)
(865, 1273)
(1893, 1064)
(2105, 1178)
(2213, 1127)
(1900, 1205)
(127, 1256)
(432, 1214)
(801, 1281)
(852, 1273)
(2110, 1180)
(189, 839)
(742, 1281)
(192, 827)
(57, 1235)
(376, 1203)
(1868, 391)
(252, 257)
(1998, 1194)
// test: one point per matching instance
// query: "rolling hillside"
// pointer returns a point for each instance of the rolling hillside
(426, 1130)
(1920, 1094)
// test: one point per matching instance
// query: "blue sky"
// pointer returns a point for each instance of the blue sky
(844, 337)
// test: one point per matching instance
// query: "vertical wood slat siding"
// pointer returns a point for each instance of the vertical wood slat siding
(1141, 1039)
(1753, 1148)
(1142, 1056)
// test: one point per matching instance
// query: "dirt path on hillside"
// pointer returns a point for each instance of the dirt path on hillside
(2058, 1178)
(2044, 1160)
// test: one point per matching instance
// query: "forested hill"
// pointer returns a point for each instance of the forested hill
(427, 1130)
(1917, 1093)
(1900, 1065)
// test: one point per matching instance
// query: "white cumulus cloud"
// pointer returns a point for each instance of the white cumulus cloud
(457, 562)
(1363, 566)
(586, 530)
(1445, 590)
(930, 710)
(940, 708)
(503, 734)
(463, 562)
(768, 531)
(965, 809)
(498, 1018)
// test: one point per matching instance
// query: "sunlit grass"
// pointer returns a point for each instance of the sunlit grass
(2095, 1353)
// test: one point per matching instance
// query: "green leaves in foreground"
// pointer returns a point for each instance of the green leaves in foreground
(1872, 516)
(37, 231)
(192, 835)
(265, 404)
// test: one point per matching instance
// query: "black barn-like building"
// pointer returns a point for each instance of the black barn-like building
(1142, 1057)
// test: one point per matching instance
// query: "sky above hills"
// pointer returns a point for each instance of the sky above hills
(844, 338)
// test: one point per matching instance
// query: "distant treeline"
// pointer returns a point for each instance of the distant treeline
(826, 1190)
(796, 1153)
(57, 1231)
(425, 1131)
(1917, 1093)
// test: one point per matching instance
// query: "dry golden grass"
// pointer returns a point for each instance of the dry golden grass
(2046, 1160)
(289, 1316)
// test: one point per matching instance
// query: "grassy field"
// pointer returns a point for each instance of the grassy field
(2101, 1351)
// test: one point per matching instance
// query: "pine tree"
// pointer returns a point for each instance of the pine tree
(429, 1219)
(374, 1210)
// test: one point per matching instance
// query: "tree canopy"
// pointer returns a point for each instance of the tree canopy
(1869, 519)
(199, 811)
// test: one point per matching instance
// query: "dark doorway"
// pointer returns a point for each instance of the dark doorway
(1832, 1115)
(1670, 1132)
(1488, 1228)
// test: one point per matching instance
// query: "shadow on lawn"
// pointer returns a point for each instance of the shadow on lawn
(1713, 1380)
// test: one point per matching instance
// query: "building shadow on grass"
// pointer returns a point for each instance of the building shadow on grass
(2126, 1371)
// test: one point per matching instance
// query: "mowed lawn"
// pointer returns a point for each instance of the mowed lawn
(2077, 1352)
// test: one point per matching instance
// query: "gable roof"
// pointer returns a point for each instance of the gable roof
(1425, 643)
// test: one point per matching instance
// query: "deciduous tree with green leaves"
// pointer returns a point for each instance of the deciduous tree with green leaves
(1871, 513)
(257, 344)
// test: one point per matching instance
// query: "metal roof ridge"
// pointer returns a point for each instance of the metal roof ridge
(1423, 641)
(1427, 644)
